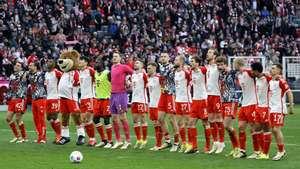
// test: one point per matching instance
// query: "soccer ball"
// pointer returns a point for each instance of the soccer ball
(76, 157)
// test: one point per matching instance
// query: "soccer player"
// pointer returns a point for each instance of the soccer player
(278, 89)
(215, 117)
(229, 99)
(262, 116)
(36, 79)
(139, 102)
(247, 112)
(52, 103)
(199, 106)
(68, 88)
(101, 106)
(16, 103)
(182, 98)
(154, 87)
(87, 84)
(166, 106)
(119, 100)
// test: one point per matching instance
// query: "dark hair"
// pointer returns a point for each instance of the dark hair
(257, 66)
(221, 59)
(152, 64)
(36, 64)
(85, 58)
(197, 59)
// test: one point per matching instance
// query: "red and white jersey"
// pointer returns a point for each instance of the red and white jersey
(212, 76)
(182, 86)
(199, 84)
(262, 91)
(87, 83)
(51, 81)
(139, 84)
(68, 85)
(247, 83)
(278, 88)
(154, 87)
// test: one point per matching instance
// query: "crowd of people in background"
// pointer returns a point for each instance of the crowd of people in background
(141, 29)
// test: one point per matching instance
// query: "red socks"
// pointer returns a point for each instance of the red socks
(221, 131)
(13, 127)
(192, 136)
(214, 131)
(144, 131)
(117, 130)
(90, 130)
(267, 142)
(242, 138)
(255, 141)
(23, 130)
(280, 147)
(158, 135)
(182, 135)
(137, 131)
(56, 127)
(176, 139)
(233, 138)
(100, 130)
(207, 138)
(126, 130)
(109, 133)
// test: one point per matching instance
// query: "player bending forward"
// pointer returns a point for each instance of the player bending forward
(52, 103)
(101, 106)
(228, 87)
(199, 107)
(182, 99)
(154, 87)
(139, 104)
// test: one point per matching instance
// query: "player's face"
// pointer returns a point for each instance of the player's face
(82, 64)
(151, 69)
(178, 61)
(17, 67)
(237, 66)
(116, 58)
(221, 66)
(137, 65)
(193, 63)
(210, 55)
(164, 58)
(274, 71)
(32, 68)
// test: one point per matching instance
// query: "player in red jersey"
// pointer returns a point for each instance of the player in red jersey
(52, 103)
(87, 88)
(199, 107)
(16, 102)
(139, 81)
(246, 114)
(215, 117)
(182, 98)
(278, 89)
(229, 98)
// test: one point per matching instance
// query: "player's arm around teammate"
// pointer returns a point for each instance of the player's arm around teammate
(16, 103)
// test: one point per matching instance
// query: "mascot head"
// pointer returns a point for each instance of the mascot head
(68, 60)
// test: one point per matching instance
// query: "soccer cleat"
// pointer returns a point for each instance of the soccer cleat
(42, 142)
(182, 148)
(165, 146)
(117, 145)
(108, 145)
(101, 144)
(174, 148)
(254, 155)
(14, 140)
(92, 142)
(80, 140)
(188, 148)
(279, 156)
(220, 148)
(155, 148)
(137, 144)
(240, 154)
(64, 140)
(57, 138)
(143, 144)
(22, 140)
(233, 152)
(214, 148)
(125, 146)
(193, 151)
(262, 156)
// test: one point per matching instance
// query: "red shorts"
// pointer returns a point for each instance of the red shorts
(199, 109)
(247, 113)
(166, 103)
(17, 105)
(68, 106)
(138, 108)
(229, 109)
(86, 105)
(52, 106)
(262, 115)
(213, 104)
(153, 114)
(183, 108)
(277, 119)
(101, 108)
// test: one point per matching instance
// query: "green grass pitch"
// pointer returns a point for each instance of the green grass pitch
(49, 156)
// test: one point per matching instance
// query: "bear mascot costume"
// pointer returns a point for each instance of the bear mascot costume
(68, 88)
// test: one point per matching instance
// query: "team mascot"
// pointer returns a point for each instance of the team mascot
(68, 92)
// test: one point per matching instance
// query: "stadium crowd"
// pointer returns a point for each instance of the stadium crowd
(141, 29)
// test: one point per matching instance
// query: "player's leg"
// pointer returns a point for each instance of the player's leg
(116, 126)
(214, 131)
(98, 113)
(12, 125)
(52, 109)
(144, 129)
(90, 128)
(108, 128)
(65, 132)
(221, 132)
(182, 131)
(126, 129)
(137, 128)
(76, 116)
(41, 110)
(174, 123)
(19, 120)
(153, 116)
(280, 143)
(35, 115)
(242, 125)
(228, 124)
(164, 130)
(207, 132)
(267, 138)
(192, 136)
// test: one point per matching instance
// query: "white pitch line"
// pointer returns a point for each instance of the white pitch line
(152, 137)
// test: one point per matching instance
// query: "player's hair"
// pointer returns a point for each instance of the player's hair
(197, 59)
(216, 53)
(85, 58)
(221, 59)
(22, 65)
(36, 64)
(257, 66)
(152, 64)
(182, 58)
(279, 66)
(239, 61)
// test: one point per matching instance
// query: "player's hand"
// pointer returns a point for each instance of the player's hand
(291, 109)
